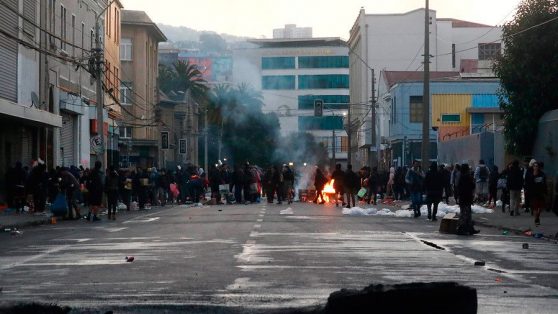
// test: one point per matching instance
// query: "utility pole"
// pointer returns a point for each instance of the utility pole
(98, 52)
(425, 148)
(373, 126)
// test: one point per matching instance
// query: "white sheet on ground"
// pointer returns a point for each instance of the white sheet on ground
(287, 211)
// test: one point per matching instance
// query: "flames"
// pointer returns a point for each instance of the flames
(328, 190)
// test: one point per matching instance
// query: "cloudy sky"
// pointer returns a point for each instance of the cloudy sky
(257, 18)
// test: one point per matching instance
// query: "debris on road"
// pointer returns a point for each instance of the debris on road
(525, 246)
(129, 259)
(287, 211)
(480, 263)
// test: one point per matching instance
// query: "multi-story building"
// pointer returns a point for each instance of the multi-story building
(27, 122)
(215, 67)
(112, 78)
(395, 42)
(291, 31)
(292, 74)
(139, 133)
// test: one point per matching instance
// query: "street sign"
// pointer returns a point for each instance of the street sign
(318, 107)
(165, 140)
(96, 143)
(182, 146)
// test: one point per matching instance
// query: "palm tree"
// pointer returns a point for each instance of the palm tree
(190, 79)
(247, 96)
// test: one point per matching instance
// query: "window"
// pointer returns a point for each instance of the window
(92, 37)
(323, 81)
(63, 27)
(453, 56)
(489, 51)
(306, 102)
(269, 63)
(451, 118)
(125, 132)
(126, 93)
(52, 19)
(415, 109)
(323, 62)
(74, 34)
(126, 49)
(278, 82)
(29, 16)
(320, 123)
(341, 143)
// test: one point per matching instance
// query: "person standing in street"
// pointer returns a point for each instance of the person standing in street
(352, 183)
(390, 183)
(277, 182)
(434, 186)
(515, 184)
(339, 176)
(95, 187)
(538, 189)
(481, 179)
(466, 190)
(415, 179)
(70, 185)
(493, 187)
(373, 182)
(112, 186)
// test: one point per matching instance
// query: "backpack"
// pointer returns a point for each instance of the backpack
(483, 174)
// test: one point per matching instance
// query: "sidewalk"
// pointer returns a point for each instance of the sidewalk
(9, 219)
(519, 224)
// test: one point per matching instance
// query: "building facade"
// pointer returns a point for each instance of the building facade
(292, 31)
(139, 141)
(292, 74)
(460, 107)
(395, 42)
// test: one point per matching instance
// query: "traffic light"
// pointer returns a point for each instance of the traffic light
(318, 107)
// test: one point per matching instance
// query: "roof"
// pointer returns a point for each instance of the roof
(394, 77)
(299, 42)
(140, 18)
(462, 24)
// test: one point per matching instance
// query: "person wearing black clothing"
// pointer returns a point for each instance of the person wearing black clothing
(277, 181)
(95, 187)
(434, 186)
(288, 178)
(37, 184)
(15, 181)
(319, 181)
(351, 185)
(538, 188)
(112, 186)
(267, 185)
(466, 190)
(237, 181)
(515, 184)
(339, 176)
(214, 182)
(493, 186)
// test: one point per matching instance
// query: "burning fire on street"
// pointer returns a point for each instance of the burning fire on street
(328, 191)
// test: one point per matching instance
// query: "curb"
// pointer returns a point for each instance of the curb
(33, 223)
(516, 231)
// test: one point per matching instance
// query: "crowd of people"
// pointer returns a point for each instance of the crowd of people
(113, 188)
(481, 185)
(37, 188)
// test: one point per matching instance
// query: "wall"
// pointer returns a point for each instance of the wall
(470, 149)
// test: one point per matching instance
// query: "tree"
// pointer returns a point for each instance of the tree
(527, 70)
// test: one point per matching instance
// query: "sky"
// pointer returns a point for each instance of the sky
(328, 18)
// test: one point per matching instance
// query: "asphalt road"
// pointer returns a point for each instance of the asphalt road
(234, 258)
